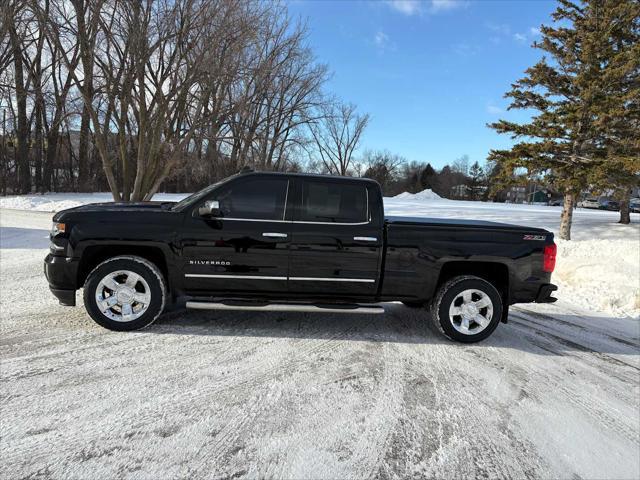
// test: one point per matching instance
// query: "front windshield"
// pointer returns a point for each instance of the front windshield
(194, 197)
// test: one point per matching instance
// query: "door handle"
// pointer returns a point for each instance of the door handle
(274, 235)
(365, 239)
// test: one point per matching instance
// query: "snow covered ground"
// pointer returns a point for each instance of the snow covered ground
(555, 393)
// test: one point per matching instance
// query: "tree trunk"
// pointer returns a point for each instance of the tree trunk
(22, 130)
(567, 216)
(86, 54)
(52, 151)
(39, 144)
(625, 217)
(83, 151)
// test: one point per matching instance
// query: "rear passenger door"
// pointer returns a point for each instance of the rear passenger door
(336, 241)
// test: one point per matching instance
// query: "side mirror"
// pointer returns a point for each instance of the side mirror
(210, 208)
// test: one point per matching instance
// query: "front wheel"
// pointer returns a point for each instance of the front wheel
(125, 293)
(466, 309)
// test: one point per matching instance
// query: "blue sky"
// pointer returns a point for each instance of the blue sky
(430, 73)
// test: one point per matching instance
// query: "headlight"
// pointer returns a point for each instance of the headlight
(57, 228)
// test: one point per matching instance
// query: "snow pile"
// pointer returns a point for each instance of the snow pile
(426, 194)
(54, 202)
(600, 275)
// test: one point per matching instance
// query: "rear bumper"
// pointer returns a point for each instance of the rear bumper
(61, 273)
(545, 292)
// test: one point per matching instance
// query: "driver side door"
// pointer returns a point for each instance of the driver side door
(245, 247)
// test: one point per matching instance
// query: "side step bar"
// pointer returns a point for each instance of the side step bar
(287, 307)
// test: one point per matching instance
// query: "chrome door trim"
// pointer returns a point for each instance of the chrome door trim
(274, 235)
(331, 279)
(288, 221)
(266, 277)
(245, 277)
(365, 239)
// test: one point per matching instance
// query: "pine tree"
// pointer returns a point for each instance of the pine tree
(476, 180)
(427, 177)
(619, 117)
(563, 141)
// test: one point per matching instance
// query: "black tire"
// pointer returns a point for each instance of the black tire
(449, 292)
(413, 304)
(147, 271)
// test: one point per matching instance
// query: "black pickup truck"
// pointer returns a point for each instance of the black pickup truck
(292, 242)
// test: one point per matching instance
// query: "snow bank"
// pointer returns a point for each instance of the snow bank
(600, 275)
(426, 194)
(54, 202)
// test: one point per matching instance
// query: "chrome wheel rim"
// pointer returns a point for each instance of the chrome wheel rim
(471, 312)
(123, 296)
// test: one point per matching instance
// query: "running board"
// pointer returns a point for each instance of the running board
(287, 307)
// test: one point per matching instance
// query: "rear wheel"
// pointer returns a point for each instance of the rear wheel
(125, 293)
(467, 309)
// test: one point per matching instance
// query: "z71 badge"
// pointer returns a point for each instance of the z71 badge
(210, 262)
(534, 237)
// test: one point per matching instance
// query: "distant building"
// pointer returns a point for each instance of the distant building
(460, 191)
(539, 196)
(517, 194)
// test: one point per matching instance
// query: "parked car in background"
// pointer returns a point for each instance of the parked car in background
(609, 205)
(634, 205)
(556, 202)
(589, 203)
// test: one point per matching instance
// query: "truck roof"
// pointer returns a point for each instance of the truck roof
(319, 176)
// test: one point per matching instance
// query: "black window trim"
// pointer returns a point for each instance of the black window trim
(367, 216)
(284, 214)
(284, 211)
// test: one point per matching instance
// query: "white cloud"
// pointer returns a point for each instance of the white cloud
(407, 7)
(465, 49)
(500, 28)
(442, 5)
(504, 31)
(418, 7)
(494, 110)
(381, 39)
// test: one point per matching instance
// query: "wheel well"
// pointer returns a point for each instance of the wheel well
(94, 255)
(495, 273)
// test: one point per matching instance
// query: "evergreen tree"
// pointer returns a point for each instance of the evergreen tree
(564, 139)
(619, 117)
(427, 177)
(476, 180)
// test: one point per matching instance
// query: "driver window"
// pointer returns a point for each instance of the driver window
(253, 199)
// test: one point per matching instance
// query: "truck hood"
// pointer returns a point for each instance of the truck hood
(111, 207)
(453, 222)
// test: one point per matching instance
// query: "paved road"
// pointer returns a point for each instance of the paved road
(554, 393)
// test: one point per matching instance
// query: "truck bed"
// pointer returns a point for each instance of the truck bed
(458, 223)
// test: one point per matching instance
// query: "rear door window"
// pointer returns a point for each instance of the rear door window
(254, 199)
(333, 202)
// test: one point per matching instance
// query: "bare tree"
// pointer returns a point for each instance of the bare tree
(337, 135)
(128, 95)
(383, 167)
(13, 17)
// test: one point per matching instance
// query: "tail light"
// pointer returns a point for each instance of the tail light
(549, 258)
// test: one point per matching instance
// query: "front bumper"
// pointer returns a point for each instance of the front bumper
(61, 273)
(544, 293)
(65, 297)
